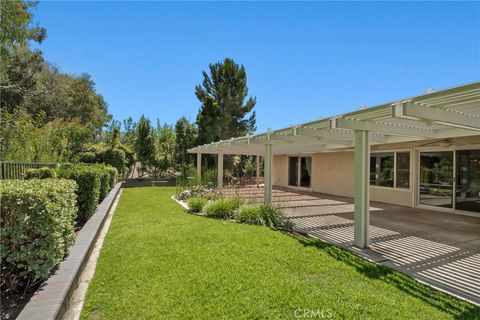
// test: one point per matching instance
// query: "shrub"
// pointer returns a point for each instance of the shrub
(37, 228)
(41, 173)
(113, 173)
(196, 204)
(223, 208)
(272, 216)
(250, 214)
(88, 179)
(104, 182)
(115, 158)
(89, 157)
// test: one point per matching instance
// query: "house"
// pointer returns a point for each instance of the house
(422, 151)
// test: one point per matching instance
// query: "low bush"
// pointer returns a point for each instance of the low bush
(272, 216)
(88, 179)
(41, 173)
(104, 182)
(250, 214)
(223, 208)
(113, 173)
(37, 228)
(196, 204)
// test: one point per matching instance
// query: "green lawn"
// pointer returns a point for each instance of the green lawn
(159, 262)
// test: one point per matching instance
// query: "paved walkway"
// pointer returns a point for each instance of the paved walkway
(441, 249)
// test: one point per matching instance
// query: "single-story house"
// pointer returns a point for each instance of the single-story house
(422, 151)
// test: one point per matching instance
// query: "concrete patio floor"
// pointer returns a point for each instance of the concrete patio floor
(437, 248)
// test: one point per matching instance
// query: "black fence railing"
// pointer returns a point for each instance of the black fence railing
(16, 170)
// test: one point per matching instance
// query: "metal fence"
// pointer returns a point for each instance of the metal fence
(16, 170)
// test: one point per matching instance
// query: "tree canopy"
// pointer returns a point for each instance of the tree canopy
(226, 109)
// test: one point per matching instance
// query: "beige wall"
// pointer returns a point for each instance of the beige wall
(333, 172)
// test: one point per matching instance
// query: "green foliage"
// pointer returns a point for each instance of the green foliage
(145, 143)
(37, 228)
(88, 179)
(115, 158)
(223, 208)
(89, 157)
(113, 174)
(104, 182)
(272, 216)
(196, 204)
(250, 214)
(225, 112)
(265, 215)
(185, 136)
(41, 173)
(164, 159)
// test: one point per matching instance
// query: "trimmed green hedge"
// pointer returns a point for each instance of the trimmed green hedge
(104, 183)
(113, 173)
(37, 228)
(89, 180)
(41, 173)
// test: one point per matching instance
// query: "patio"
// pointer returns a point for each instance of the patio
(441, 249)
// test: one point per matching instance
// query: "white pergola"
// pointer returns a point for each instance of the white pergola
(449, 113)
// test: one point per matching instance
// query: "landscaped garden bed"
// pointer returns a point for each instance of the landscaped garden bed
(160, 262)
(41, 216)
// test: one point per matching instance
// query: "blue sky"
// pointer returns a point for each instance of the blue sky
(304, 60)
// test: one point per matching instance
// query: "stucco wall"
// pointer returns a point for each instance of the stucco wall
(333, 172)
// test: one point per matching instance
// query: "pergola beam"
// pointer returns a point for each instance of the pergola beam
(380, 127)
(335, 135)
(414, 111)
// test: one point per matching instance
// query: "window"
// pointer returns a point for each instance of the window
(389, 168)
(381, 169)
(403, 170)
(300, 171)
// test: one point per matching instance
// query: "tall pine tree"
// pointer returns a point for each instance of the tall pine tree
(225, 111)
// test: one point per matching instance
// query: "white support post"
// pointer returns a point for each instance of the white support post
(199, 167)
(220, 170)
(258, 172)
(362, 189)
(267, 183)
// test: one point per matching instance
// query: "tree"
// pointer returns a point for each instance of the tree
(185, 136)
(145, 143)
(165, 138)
(225, 111)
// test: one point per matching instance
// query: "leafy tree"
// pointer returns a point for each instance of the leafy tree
(145, 143)
(185, 136)
(129, 132)
(225, 111)
(165, 138)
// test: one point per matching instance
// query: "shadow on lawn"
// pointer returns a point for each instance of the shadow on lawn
(440, 300)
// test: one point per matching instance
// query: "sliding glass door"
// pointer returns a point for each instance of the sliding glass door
(467, 196)
(300, 171)
(436, 179)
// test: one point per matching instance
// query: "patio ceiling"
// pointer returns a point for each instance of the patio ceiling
(449, 113)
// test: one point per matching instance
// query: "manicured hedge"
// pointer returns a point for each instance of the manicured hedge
(104, 183)
(37, 228)
(41, 173)
(88, 179)
(113, 173)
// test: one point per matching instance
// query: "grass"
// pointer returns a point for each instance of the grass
(158, 262)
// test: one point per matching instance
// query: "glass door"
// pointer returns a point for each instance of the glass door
(436, 179)
(468, 180)
(300, 171)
